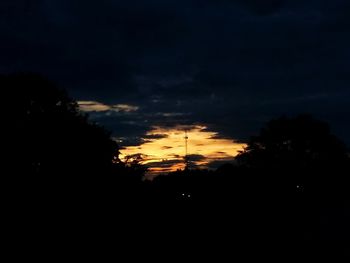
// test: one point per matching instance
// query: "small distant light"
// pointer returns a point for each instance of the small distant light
(189, 196)
(183, 194)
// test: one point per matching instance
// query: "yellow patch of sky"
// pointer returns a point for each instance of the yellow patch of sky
(90, 106)
(170, 148)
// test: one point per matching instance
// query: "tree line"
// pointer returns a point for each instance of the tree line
(295, 171)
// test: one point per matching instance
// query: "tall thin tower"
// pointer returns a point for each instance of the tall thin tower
(186, 159)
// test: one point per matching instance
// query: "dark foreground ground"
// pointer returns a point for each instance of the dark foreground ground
(180, 217)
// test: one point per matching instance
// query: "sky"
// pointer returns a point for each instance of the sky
(148, 70)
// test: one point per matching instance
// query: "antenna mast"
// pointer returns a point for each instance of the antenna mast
(186, 151)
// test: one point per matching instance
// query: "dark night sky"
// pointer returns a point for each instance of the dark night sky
(230, 65)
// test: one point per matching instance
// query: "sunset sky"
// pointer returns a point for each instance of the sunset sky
(147, 69)
(164, 150)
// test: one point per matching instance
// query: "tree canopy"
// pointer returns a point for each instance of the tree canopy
(298, 153)
(301, 142)
(46, 133)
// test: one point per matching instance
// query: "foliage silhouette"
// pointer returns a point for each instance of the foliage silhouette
(54, 154)
(300, 142)
(289, 184)
(298, 152)
(48, 135)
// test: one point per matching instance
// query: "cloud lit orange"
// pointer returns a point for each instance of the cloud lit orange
(164, 148)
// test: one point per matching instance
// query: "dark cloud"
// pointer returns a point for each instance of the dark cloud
(155, 136)
(167, 147)
(164, 164)
(262, 7)
(230, 65)
(213, 165)
(196, 157)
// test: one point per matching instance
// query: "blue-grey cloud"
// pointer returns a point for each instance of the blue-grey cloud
(228, 64)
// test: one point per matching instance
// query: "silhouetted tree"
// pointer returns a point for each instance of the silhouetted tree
(46, 133)
(299, 152)
(299, 171)
(131, 173)
(300, 142)
(134, 162)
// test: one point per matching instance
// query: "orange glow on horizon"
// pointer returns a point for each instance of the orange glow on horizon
(166, 150)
